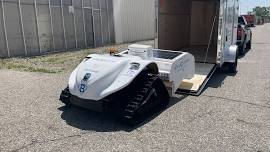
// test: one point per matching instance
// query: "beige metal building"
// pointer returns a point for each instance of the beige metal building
(134, 20)
(34, 27)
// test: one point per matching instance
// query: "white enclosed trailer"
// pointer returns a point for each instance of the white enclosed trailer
(205, 28)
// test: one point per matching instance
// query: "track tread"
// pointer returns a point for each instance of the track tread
(138, 101)
(65, 96)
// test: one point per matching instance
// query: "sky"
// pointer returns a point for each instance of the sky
(247, 5)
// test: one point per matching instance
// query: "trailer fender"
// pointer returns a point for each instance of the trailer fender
(231, 54)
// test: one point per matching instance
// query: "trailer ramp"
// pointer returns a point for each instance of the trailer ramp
(194, 86)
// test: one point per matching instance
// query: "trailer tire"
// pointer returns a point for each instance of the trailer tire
(232, 67)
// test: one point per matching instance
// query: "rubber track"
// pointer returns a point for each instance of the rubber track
(144, 92)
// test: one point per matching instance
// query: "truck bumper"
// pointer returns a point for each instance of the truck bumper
(238, 43)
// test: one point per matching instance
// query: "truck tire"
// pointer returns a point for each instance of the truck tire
(249, 43)
(242, 49)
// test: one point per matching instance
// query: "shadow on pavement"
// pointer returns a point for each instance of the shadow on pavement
(89, 120)
(218, 78)
(105, 122)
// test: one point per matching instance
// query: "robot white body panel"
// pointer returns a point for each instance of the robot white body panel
(101, 75)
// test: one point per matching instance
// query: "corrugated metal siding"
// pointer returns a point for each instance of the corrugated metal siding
(134, 20)
(33, 27)
(3, 47)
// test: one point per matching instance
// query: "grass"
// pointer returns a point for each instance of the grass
(58, 62)
(20, 67)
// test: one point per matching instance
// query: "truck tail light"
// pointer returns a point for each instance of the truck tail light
(240, 32)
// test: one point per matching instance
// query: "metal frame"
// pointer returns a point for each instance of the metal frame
(22, 27)
(84, 28)
(63, 23)
(101, 23)
(35, 4)
(51, 22)
(156, 45)
(74, 24)
(93, 24)
(108, 18)
(5, 29)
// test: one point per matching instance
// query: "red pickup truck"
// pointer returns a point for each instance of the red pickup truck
(244, 35)
(251, 19)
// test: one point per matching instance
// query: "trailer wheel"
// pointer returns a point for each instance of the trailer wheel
(232, 67)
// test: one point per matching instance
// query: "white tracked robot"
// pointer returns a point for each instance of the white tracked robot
(130, 83)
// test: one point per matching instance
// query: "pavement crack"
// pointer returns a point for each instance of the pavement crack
(199, 116)
(34, 142)
(256, 125)
(238, 101)
(24, 146)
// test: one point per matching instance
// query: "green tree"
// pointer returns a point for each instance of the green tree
(261, 11)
